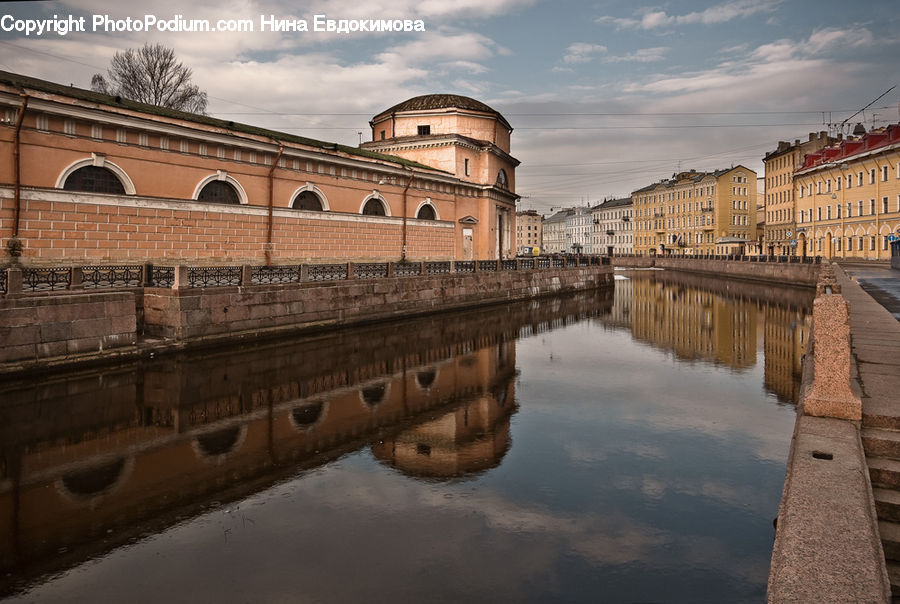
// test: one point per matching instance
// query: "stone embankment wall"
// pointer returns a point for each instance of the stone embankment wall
(778, 272)
(204, 315)
(827, 546)
(69, 327)
(56, 329)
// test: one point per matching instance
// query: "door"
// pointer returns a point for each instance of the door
(468, 243)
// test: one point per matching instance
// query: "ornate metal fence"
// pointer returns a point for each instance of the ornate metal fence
(327, 272)
(112, 276)
(407, 269)
(370, 270)
(162, 276)
(214, 276)
(46, 279)
(260, 275)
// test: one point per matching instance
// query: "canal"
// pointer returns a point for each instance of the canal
(609, 446)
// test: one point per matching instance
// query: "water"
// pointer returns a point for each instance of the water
(626, 447)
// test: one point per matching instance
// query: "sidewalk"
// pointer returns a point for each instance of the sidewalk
(879, 281)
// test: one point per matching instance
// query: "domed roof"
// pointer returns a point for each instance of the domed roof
(428, 102)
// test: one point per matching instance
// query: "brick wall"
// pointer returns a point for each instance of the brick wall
(58, 328)
(194, 315)
(76, 227)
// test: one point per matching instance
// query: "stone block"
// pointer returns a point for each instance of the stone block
(82, 345)
(55, 332)
(51, 349)
(830, 394)
(21, 352)
(86, 328)
(16, 336)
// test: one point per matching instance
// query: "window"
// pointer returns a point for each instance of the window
(872, 176)
(859, 179)
(871, 207)
(884, 173)
(502, 180)
(307, 200)
(426, 212)
(884, 205)
(818, 213)
(859, 209)
(849, 182)
(373, 207)
(467, 166)
(872, 243)
(424, 130)
(382, 135)
(94, 179)
(219, 191)
(828, 213)
(837, 183)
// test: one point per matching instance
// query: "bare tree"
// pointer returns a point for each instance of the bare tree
(151, 75)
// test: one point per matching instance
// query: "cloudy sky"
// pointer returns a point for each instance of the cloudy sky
(604, 97)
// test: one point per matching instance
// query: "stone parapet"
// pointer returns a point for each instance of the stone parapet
(58, 329)
(216, 314)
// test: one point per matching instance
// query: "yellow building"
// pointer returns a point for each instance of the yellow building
(780, 215)
(689, 213)
(848, 197)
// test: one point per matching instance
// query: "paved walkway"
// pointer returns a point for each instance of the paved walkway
(875, 365)
(881, 282)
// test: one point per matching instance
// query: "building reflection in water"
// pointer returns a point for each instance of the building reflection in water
(92, 460)
(715, 320)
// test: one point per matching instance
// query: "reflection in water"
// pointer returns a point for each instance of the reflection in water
(617, 475)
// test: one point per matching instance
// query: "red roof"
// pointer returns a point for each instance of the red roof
(847, 149)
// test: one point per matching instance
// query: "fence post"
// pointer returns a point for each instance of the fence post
(13, 281)
(390, 269)
(182, 278)
(304, 272)
(246, 275)
(422, 268)
(147, 275)
(349, 271)
(76, 278)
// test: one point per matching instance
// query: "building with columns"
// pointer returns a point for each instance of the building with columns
(92, 178)
(471, 141)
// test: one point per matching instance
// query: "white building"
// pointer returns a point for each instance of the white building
(554, 233)
(612, 227)
(578, 231)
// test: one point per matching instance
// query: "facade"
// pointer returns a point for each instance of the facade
(471, 141)
(612, 227)
(529, 232)
(578, 231)
(781, 219)
(689, 213)
(554, 233)
(100, 179)
(848, 197)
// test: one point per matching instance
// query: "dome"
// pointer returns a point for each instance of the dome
(430, 102)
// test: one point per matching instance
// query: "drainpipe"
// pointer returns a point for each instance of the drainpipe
(405, 195)
(272, 204)
(15, 246)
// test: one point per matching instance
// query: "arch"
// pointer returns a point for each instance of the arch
(372, 209)
(96, 161)
(311, 193)
(222, 176)
(304, 417)
(427, 210)
(88, 485)
(374, 393)
(217, 445)
(502, 179)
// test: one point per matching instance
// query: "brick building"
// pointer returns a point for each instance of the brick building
(92, 178)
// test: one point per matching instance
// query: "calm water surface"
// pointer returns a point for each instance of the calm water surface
(623, 448)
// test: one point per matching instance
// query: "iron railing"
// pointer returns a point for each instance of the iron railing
(94, 277)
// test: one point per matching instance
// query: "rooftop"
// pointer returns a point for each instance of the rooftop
(431, 102)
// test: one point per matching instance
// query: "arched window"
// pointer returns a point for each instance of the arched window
(307, 200)
(374, 207)
(94, 179)
(502, 180)
(426, 212)
(219, 191)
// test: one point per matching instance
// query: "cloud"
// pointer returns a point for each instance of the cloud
(644, 55)
(582, 52)
(720, 13)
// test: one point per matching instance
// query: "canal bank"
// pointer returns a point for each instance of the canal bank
(206, 307)
(792, 270)
(838, 535)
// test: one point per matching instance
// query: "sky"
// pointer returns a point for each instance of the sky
(603, 97)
